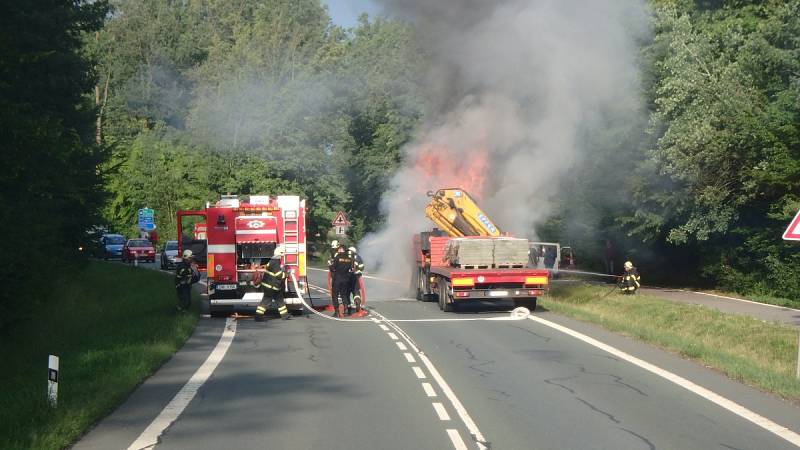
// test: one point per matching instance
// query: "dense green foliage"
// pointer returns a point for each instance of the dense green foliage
(50, 188)
(209, 97)
(705, 196)
(168, 104)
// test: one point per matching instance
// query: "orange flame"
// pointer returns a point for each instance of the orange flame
(442, 167)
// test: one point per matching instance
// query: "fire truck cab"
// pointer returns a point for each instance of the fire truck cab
(240, 237)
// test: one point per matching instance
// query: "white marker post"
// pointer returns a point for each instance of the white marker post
(798, 356)
(52, 380)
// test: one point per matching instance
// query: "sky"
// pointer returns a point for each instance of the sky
(346, 12)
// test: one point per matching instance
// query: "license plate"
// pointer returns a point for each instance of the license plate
(498, 293)
(225, 287)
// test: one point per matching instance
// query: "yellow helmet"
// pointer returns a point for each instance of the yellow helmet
(628, 265)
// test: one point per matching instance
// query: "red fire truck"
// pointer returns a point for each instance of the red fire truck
(240, 236)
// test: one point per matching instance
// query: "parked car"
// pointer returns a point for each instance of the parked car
(169, 255)
(138, 249)
(111, 245)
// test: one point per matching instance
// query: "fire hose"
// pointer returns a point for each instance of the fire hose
(309, 308)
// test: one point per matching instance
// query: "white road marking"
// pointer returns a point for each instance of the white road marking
(401, 346)
(393, 336)
(441, 412)
(419, 373)
(409, 357)
(742, 300)
(477, 436)
(761, 421)
(428, 390)
(455, 438)
(175, 407)
(384, 327)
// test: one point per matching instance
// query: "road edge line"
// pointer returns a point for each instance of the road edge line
(751, 416)
(150, 436)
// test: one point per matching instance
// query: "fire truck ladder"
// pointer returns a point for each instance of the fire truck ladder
(290, 240)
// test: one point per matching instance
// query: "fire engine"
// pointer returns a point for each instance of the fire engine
(240, 236)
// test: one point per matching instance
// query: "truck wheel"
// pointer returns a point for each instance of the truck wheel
(444, 305)
(417, 281)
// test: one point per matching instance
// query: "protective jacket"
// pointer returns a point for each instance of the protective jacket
(274, 276)
(184, 274)
(358, 265)
(342, 266)
(630, 281)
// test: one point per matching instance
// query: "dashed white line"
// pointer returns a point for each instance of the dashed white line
(441, 412)
(175, 407)
(393, 336)
(401, 346)
(384, 327)
(472, 427)
(428, 390)
(409, 357)
(455, 438)
(419, 373)
(761, 421)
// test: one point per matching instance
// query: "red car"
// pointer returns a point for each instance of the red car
(138, 249)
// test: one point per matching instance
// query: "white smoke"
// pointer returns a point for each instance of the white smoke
(511, 84)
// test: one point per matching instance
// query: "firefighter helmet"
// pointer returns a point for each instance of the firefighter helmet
(628, 265)
(279, 251)
(353, 249)
(187, 253)
(334, 244)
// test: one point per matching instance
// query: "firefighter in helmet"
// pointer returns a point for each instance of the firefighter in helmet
(630, 279)
(341, 273)
(186, 274)
(358, 271)
(334, 250)
(272, 285)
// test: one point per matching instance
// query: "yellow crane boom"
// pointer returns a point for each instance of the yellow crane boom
(455, 212)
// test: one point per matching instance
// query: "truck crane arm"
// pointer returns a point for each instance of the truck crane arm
(455, 212)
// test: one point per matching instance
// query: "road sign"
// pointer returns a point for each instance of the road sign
(792, 233)
(146, 219)
(340, 230)
(340, 220)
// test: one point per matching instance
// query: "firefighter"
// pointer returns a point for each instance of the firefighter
(630, 279)
(341, 272)
(186, 274)
(358, 271)
(272, 285)
(334, 250)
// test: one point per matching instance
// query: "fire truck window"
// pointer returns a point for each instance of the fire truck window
(254, 253)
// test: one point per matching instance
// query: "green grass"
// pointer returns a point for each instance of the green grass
(111, 326)
(745, 349)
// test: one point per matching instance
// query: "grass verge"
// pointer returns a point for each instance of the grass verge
(745, 349)
(111, 326)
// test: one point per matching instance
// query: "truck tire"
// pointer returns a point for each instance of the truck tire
(416, 284)
(444, 304)
(529, 303)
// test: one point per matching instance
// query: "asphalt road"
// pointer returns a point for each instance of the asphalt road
(315, 383)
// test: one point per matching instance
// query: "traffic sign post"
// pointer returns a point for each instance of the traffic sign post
(340, 224)
(146, 219)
